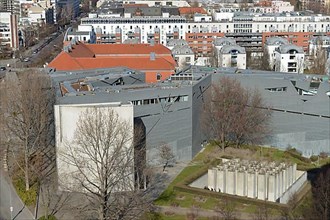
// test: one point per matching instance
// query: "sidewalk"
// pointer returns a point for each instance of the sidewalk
(11, 206)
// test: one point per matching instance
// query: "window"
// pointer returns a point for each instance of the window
(158, 76)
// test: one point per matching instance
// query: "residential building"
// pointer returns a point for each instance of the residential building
(232, 56)
(289, 58)
(183, 55)
(248, 29)
(318, 43)
(9, 30)
(155, 61)
(272, 43)
(10, 6)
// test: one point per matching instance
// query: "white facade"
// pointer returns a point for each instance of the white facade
(289, 58)
(272, 43)
(168, 25)
(183, 55)
(66, 118)
(178, 3)
(8, 29)
(281, 6)
(232, 56)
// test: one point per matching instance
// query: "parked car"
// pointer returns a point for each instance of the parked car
(26, 59)
(2, 68)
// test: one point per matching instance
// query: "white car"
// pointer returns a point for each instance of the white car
(26, 59)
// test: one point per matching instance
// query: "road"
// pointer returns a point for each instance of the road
(9, 198)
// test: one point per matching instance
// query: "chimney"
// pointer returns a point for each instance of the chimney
(152, 56)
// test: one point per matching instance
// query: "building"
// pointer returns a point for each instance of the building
(155, 61)
(229, 54)
(10, 6)
(66, 120)
(281, 6)
(318, 43)
(249, 29)
(171, 110)
(9, 30)
(232, 56)
(272, 43)
(267, 181)
(84, 34)
(183, 55)
(289, 58)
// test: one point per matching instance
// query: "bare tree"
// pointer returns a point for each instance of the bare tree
(227, 210)
(318, 59)
(262, 213)
(28, 109)
(101, 158)
(166, 155)
(321, 194)
(233, 114)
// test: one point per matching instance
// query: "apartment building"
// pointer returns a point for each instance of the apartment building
(289, 58)
(272, 43)
(9, 30)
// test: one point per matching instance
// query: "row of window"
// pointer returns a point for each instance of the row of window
(171, 99)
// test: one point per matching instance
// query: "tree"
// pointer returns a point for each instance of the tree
(166, 155)
(101, 156)
(227, 210)
(27, 106)
(233, 114)
(321, 194)
(318, 59)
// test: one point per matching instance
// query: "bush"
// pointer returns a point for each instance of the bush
(28, 197)
(324, 155)
(314, 158)
(50, 217)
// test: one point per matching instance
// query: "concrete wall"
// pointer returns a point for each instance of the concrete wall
(66, 118)
(295, 187)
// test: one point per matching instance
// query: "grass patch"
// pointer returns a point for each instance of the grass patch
(50, 217)
(28, 197)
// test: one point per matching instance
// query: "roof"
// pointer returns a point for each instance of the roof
(228, 48)
(176, 42)
(97, 56)
(182, 50)
(221, 41)
(191, 10)
(276, 41)
(131, 49)
(289, 47)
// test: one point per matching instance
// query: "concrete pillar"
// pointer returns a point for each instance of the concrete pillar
(284, 180)
(256, 185)
(294, 175)
(210, 177)
(235, 182)
(245, 185)
(250, 189)
(215, 178)
(220, 180)
(266, 186)
(240, 184)
(271, 188)
(230, 182)
(261, 186)
(225, 180)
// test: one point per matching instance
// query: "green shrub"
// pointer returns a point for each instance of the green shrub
(50, 217)
(28, 197)
(314, 158)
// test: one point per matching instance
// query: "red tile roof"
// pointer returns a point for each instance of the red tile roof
(95, 56)
(128, 49)
(191, 10)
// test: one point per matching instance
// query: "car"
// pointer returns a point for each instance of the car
(26, 59)
(35, 51)
(2, 68)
